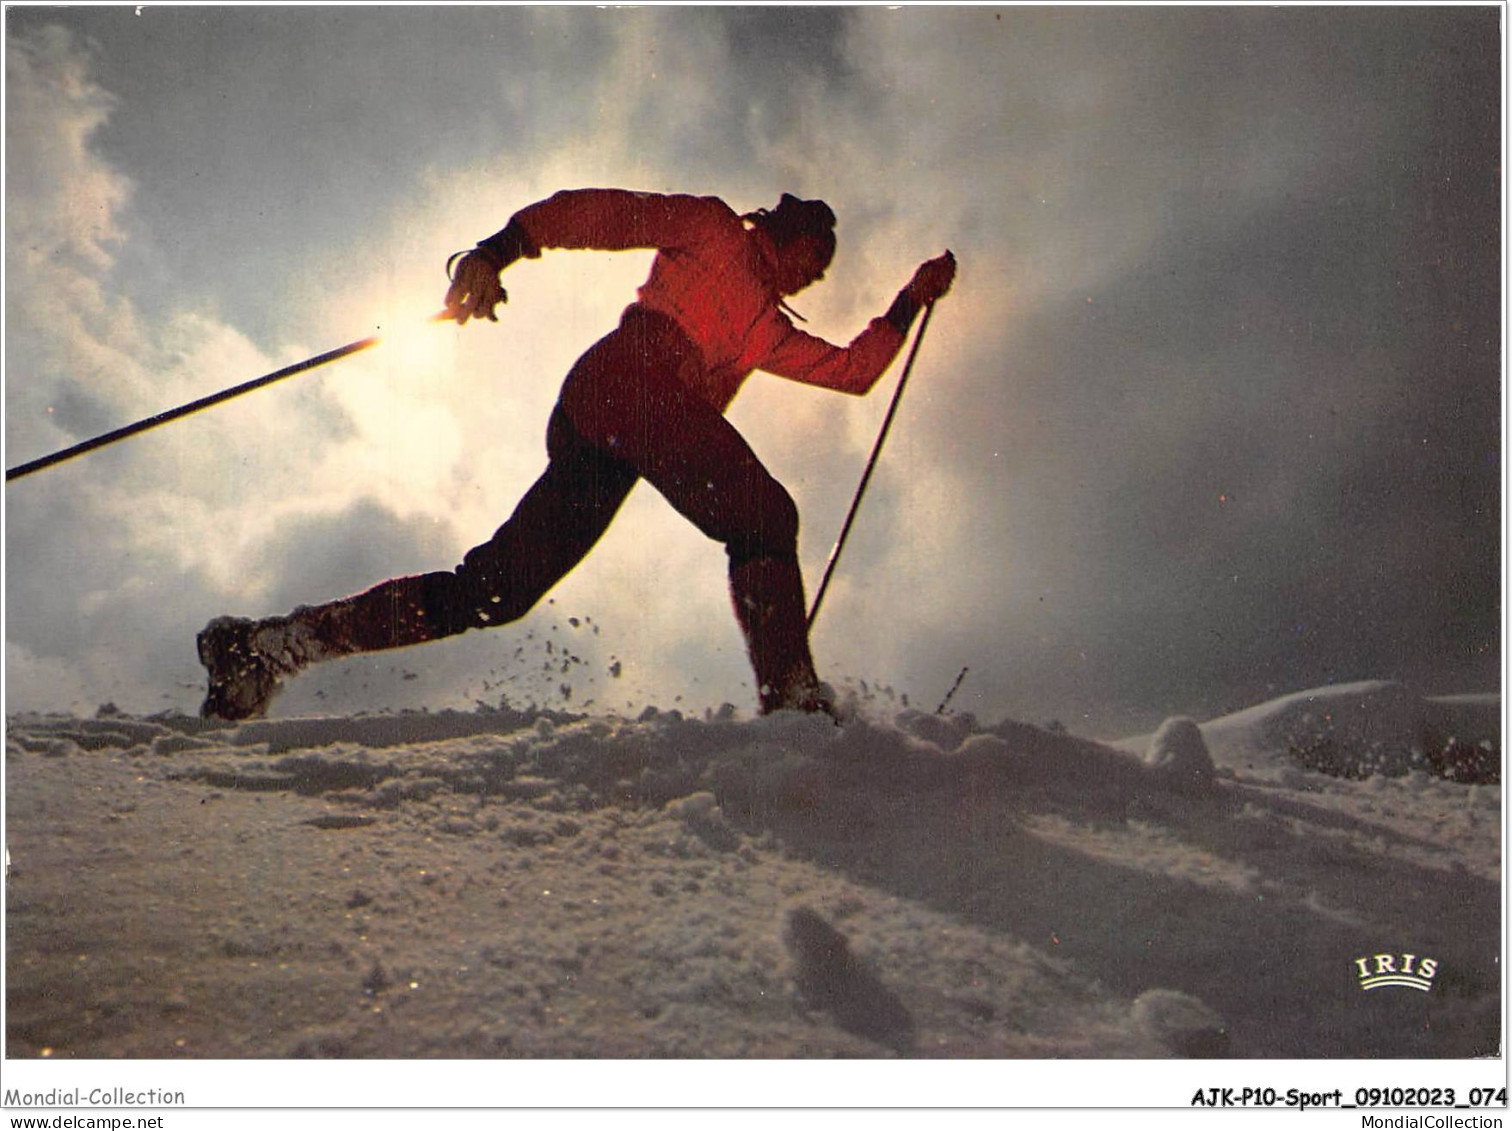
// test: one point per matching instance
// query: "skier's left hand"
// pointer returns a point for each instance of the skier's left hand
(475, 289)
(931, 282)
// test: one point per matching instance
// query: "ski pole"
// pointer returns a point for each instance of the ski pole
(871, 465)
(949, 695)
(171, 414)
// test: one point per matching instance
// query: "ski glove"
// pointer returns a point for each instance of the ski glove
(931, 282)
(475, 289)
(475, 285)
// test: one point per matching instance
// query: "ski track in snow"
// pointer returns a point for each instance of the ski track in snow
(532, 883)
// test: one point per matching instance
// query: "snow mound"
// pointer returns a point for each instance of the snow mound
(1178, 755)
(1361, 730)
(832, 979)
(1181, 1022)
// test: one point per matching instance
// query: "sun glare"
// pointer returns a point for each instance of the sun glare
(413, 338)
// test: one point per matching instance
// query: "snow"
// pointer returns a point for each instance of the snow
(1356, 729)
(530, 883)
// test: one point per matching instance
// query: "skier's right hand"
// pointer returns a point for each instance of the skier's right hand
(475, 288)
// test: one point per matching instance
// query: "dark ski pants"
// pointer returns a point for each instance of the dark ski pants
(623, 415)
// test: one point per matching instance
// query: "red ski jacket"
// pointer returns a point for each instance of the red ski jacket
(714, 277)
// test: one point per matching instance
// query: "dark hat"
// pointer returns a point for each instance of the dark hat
(794, 217)
(804, 217)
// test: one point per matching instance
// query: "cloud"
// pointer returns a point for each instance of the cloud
(1167, 295)
(113, 561)
(1224, 312)
(51, 88)
(396, 461)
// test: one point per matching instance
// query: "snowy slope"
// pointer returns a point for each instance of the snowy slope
(504, 883)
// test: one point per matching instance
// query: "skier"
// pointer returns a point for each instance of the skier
(646, 402)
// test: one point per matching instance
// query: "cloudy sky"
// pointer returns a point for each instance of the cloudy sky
(1212, 415)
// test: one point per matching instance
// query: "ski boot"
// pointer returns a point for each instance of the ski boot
(811, 696)
(768, 596)
(248, 659)
(242, 680)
